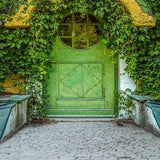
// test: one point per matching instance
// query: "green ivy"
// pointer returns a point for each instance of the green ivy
(26, 51)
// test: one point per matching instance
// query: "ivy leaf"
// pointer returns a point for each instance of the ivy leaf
(10, 36)
(2, 37)
(12, 45)
(46, 26)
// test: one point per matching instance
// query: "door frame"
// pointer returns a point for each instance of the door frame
(116, 84)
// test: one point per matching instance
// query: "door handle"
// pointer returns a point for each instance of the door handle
(53, 62)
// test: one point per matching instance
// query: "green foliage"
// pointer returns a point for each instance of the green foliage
(26, 51)
(126, 105)
(140, 47)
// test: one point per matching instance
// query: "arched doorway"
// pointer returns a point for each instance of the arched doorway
(81, 81)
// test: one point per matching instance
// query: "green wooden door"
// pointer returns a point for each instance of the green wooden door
(81, 83)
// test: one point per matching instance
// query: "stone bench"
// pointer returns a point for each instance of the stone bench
(146, 113)
(13, 114)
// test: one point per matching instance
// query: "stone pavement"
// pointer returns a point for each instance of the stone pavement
(81, 141)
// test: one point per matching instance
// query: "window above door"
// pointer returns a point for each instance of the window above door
(80, 31)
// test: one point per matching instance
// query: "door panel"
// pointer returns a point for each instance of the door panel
(80, 104)
(72, 81)
(81, 82)
(92, 80)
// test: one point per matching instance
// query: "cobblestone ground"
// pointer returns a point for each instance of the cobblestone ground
(81, 141)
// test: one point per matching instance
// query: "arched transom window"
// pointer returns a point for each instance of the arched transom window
(79, 31)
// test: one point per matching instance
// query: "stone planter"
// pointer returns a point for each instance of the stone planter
(153, 117)
(13, 114)
(147, 113)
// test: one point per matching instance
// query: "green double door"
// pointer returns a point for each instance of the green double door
(81, 83)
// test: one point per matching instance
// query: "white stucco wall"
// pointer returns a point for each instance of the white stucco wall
(124, 81)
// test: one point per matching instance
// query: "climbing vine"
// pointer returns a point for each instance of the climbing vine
(26, 51)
